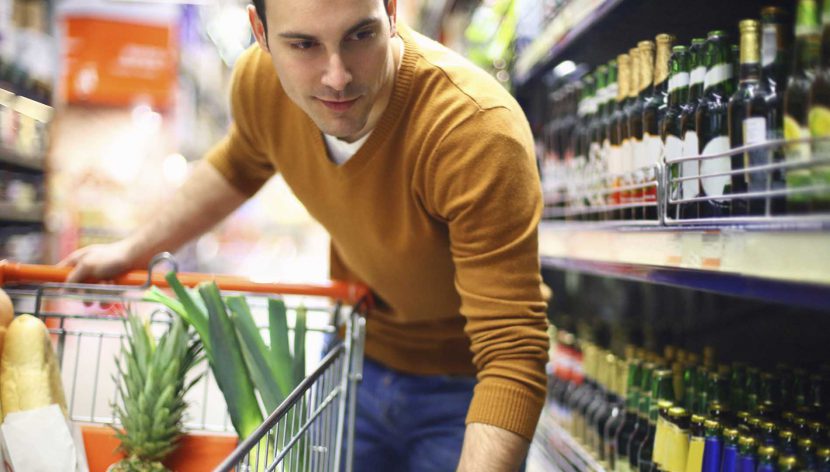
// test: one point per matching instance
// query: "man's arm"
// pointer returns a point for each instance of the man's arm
(491, 449)
(203, 201)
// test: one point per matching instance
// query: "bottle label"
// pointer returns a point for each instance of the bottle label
(714, 186)
(626, 157)
(658, 452)
(653, 147)
(694, 458)
(678, 80)
(698, 74)
(690, 188)
(755, 132)
(716, 75)
(676, 448)
(614, 159)
(769, 44)
(613, 91)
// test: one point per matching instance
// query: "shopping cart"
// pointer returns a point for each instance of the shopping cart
(306, 432)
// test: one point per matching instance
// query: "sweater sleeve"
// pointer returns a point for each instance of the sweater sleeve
(240, 156)
(486, 187)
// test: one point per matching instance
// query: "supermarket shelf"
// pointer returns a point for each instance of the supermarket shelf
(542, 52)
(786, 264)
(14, 159)
(11, 213)
(554, 449)
(616, 25)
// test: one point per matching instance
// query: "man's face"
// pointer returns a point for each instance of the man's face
(334, 59)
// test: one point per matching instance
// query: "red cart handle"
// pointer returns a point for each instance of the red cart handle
(32, 273)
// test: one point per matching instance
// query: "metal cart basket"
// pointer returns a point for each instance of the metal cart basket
(306, 432)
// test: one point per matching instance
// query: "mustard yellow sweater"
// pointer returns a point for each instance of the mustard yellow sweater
(436, 212)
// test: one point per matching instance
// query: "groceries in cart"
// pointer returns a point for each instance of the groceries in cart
(163, 367)
(32, 399)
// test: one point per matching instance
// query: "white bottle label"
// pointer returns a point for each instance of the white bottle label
(717, 74)
(615, 163)
(638, 158)
(690, 188)
(713, 186)
(755, 131)
(654, 150)
(698, 73)
(678, 80)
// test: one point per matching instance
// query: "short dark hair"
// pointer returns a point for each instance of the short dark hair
(260, 11)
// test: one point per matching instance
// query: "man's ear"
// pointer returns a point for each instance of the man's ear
(392, 11)
(258, 29)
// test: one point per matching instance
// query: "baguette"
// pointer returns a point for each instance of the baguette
(29, 373)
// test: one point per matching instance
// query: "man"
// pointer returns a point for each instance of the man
(421, 168)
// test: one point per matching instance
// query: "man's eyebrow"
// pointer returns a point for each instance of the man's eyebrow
(307, 37)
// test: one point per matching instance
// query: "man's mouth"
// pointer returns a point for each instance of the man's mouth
(338, 105)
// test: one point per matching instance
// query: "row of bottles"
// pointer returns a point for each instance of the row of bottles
(659, 102)
(681, 412)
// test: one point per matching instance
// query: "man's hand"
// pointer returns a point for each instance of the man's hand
(98, 262)
(491, 449)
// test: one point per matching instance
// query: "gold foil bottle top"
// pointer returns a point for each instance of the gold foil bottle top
(634, 84)
(750, 47)
(646, 64)
(624, 82)
(661, 70)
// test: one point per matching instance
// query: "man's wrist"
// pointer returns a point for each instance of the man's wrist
(488, 448)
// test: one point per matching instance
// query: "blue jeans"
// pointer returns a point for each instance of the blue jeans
(409, 422)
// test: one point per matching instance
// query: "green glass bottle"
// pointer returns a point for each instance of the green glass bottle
(662, 391)
(633, 110)
(641, 426)
(776, 43)
(713, 125)
(608, 154)
(671, 131)
(623, 436)
(617, 163)
(796, 102)
(654, 111)
(691, 143)
(745, 128)
(635, 123)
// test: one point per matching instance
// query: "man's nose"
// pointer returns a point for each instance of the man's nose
(336, 75)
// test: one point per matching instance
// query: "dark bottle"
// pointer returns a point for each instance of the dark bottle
(691, 143)
(747, 454)
(627, 134)
(718, 406)
(769, 433)
(608, 408)
(819, 116)
(654, 110)
(641, 426)
(697, 443)
(606, 181)
(596, 132)
(676, 443)
(806, 451)
(789, 463)
(737, 394)
(690, 383)
(823, 459)
(729, 463)
(787, 442)
(598, 402)
(770, 396)
(631, 415)
(616, 159)
(744, 128)
(796, 102)
(671, 131)
(580, 387)
(635, 124)
(713, 126)
(713, 447)
(776, 42)
(583, 395)
(767, 459)
(752, 389)
(662, 391)
(616, 418)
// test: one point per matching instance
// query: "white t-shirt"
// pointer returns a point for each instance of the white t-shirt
(340, 151)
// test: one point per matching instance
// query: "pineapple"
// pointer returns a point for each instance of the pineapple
(152, 388)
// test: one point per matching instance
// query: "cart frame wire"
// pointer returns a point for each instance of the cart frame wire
(306, 432)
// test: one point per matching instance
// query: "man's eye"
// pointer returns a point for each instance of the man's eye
(365, 34)
(303, 45)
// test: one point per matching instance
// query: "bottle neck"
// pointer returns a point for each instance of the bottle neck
(750, 72)
(806, 54)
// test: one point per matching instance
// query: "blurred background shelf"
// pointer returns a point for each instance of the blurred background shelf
(10, 213)
(775, 263)
(12, 158)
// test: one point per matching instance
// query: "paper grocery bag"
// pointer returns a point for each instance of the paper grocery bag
(40, 440)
